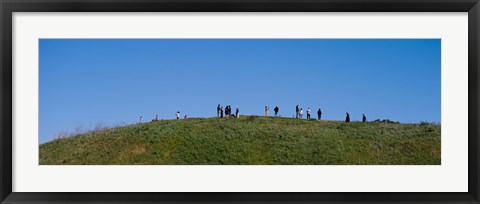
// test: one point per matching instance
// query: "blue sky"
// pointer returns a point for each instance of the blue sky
(87, 82)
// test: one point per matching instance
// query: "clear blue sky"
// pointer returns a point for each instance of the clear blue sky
(85, 82)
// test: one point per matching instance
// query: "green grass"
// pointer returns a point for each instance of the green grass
(250, 140)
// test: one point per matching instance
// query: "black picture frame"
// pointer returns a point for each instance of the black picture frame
(7, 7)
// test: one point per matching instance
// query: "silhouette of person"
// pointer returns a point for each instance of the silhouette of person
(296, 111)
(218, 111)
(301, 113)
(319, 113)
(178, 115)
(221, 111)
(141, 119)
(364, 118)
(309, 112)
(347, 119)
(266, 111)
(276, 110)
(227, 111)
(237, 111)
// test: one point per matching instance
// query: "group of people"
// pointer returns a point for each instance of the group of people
(228, 111)
(276, 109)
(347, 118)
(299, 113)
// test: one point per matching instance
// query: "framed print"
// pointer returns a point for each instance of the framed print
(239, 101)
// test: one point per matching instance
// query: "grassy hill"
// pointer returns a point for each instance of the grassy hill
(250, 140)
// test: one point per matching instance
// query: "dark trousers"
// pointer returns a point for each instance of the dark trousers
(308, 116)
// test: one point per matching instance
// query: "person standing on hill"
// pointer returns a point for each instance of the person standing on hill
(178, 115)
(266, 111)
(276, 110)
(301, 113)
(141, 119)
(347, 119)
(296, 111)
(319, 113)
(218, 111)
(364, 118)
(309, 112)
(227, 111)
(221, 111)
(237, 112)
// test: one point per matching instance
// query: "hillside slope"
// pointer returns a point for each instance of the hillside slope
(250, 140)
